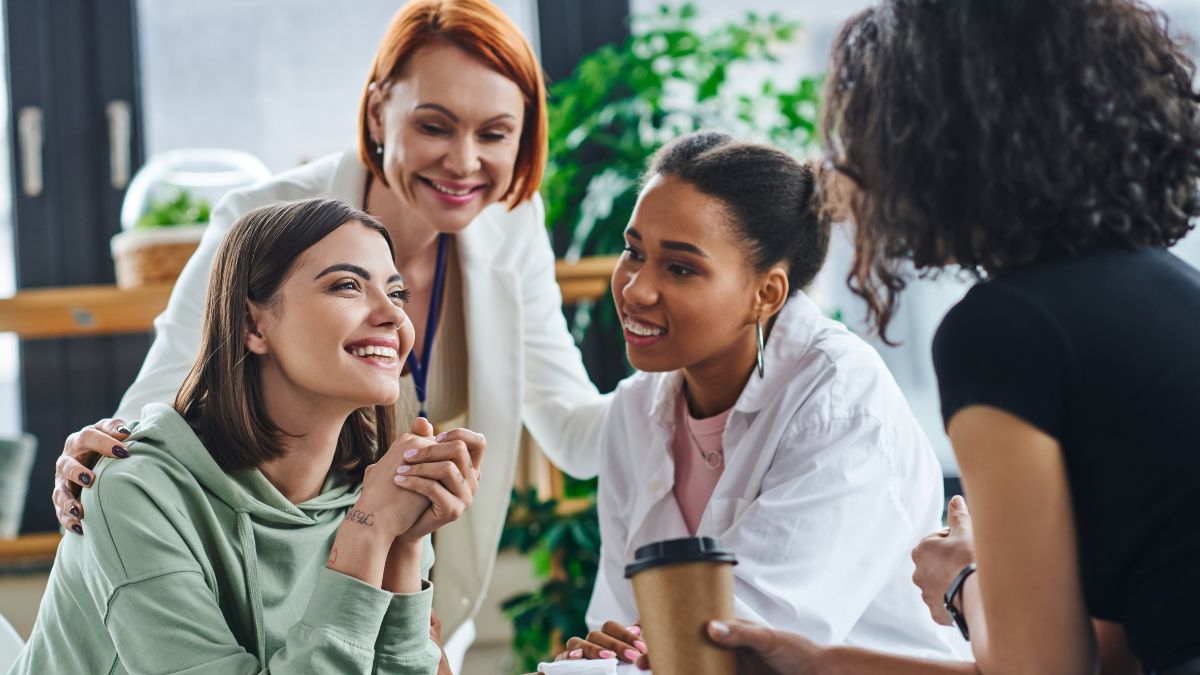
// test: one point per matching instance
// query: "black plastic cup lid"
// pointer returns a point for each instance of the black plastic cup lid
(676, 551)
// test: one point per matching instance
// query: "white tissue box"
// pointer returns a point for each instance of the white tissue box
(579, 667)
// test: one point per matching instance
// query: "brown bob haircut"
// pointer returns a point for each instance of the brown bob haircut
(997, 133)
(480, 29)
(222, 397)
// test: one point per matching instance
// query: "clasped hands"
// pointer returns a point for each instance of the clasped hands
(438, 477)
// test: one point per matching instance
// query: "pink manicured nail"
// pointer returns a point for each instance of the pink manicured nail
(403, 468)
(640, 645)
(635, 629)
(631, 655)
(576, 653)
(411, 453)
(441, 437)
(607, 654)
(401, 479)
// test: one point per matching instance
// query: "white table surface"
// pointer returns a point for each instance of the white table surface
(630, 669)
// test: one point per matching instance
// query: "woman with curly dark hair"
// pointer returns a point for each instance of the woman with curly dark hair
(1052, 150)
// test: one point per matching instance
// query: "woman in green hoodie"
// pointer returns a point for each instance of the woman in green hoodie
(261, 526)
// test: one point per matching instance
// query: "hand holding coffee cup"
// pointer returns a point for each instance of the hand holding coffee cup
(680, 585)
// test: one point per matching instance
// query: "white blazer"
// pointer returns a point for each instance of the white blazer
(829, 482)
(524, 365)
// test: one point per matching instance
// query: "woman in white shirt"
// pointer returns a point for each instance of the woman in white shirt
(756, 419)
(452, 145)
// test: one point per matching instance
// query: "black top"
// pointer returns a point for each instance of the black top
(1102, 352)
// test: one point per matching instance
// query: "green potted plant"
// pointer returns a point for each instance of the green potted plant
(562, 539)
(161, 241)
(167, 206)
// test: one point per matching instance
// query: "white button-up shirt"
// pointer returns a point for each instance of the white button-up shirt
(828, 484)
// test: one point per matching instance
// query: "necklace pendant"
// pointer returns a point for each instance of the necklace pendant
(714, 460)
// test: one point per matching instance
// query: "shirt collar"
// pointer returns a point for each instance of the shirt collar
(349, 178)
(667, 389)
(791, 337)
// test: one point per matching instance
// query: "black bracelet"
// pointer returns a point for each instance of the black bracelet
(956, 587)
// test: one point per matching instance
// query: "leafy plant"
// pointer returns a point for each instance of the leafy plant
(184, 209)
(623, 102)
(563, 541)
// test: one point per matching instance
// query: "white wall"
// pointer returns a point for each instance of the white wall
(280, 79)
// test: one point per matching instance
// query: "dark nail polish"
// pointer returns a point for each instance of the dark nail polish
(74, 511)
(77, 529)
(124, 430)
(118, 451)
(85, 478)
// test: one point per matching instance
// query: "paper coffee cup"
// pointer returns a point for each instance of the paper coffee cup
(680, 585)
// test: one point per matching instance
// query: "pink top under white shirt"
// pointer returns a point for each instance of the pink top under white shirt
(827, 485)
(694, 478)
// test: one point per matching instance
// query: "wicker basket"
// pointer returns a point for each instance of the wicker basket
(146, 257)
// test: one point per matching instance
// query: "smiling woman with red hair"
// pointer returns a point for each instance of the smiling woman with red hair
(472, 27)
(451, 150)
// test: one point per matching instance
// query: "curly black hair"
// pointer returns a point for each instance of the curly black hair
(995, 133)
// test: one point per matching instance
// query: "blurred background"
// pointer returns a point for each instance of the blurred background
(94, 90)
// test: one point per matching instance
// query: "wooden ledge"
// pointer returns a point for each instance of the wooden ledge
(30, 548)
(74, 311)
(71, 311)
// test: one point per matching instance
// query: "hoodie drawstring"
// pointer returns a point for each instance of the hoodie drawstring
(250, 558)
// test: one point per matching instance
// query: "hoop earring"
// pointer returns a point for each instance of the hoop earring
(758, 329)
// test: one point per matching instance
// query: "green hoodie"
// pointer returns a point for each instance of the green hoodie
(187, 568)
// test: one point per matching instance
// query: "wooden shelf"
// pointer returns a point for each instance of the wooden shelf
(29, 548)
(74, 311)
(82, 310)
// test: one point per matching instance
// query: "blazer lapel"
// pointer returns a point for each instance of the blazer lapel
(349, 180)
(492, 301)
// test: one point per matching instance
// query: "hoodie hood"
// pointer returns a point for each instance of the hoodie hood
(163, 433)
(268, 525)
(185, 566)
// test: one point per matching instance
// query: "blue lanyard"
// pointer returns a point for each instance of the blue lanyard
(420, 369)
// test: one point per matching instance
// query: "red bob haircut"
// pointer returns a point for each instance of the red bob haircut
(479, 28)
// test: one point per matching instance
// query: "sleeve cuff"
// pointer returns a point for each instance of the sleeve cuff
(347, 606)
(405, 627)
